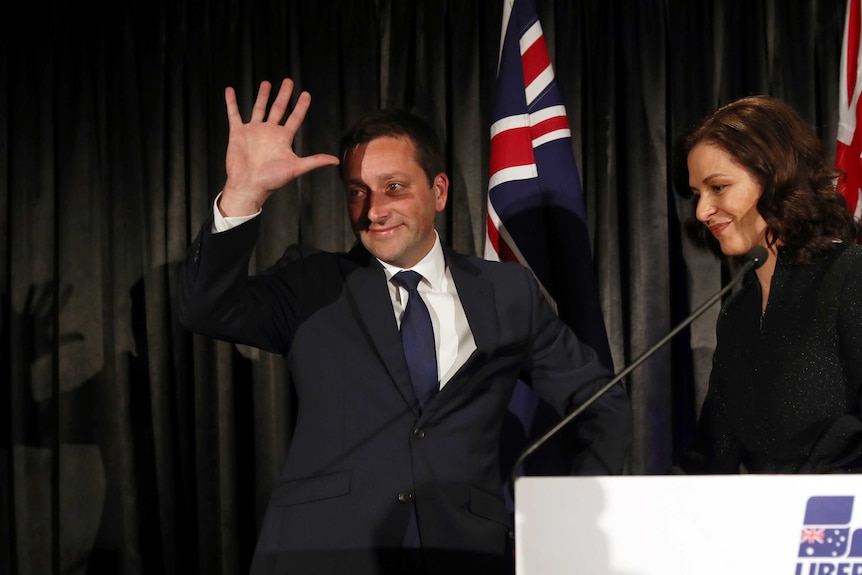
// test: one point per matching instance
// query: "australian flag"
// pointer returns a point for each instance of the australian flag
(826, 528)
(536, 208)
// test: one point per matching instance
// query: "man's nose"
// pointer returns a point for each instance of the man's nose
(377, 206)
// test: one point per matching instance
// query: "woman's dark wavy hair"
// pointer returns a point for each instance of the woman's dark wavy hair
(398, 123)
(799, 201)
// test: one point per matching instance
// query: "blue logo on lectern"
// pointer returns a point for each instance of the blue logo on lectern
(826, 538)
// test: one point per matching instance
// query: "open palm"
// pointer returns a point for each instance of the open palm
(260, 157)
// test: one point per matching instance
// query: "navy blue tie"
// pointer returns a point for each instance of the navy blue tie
(417, 337)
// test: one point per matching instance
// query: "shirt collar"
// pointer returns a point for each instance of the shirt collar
(431, 267)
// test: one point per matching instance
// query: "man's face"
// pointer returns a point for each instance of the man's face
(390, 202)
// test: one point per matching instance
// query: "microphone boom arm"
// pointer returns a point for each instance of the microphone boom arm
(754, 259)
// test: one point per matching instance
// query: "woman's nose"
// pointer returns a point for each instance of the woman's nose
(704, 209)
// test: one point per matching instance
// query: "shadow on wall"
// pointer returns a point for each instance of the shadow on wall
(83, 488)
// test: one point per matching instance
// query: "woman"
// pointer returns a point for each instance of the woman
(785, 391)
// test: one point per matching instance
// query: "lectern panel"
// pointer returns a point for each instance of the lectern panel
(685, 525)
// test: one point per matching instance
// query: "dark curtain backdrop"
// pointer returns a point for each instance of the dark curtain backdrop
(129, 446)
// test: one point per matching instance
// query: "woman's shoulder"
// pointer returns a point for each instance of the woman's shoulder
(844, 271)
(848, 256)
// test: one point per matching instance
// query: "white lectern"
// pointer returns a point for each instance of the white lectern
(685, 525)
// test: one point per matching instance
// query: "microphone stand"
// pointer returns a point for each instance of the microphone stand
(753, 260)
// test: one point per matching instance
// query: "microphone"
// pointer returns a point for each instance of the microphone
(755, 258)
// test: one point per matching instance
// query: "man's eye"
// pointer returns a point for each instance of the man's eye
(393, 187)
(355, 193)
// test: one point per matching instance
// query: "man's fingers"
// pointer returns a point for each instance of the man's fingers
(276, 112)
(258, 112)
(297, 115)
(313, 162)
(233, 116)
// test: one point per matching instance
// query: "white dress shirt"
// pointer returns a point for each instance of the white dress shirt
(452, 335)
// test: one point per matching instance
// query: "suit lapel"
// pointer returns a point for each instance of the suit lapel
(477, 299)
(369, 297)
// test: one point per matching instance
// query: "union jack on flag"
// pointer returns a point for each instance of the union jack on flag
(812, 536)
(536, 209)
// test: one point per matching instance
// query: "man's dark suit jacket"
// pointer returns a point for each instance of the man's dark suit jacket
(362, 456)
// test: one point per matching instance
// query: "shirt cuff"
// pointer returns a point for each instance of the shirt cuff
(222, 223)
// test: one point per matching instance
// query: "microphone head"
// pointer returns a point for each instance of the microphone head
(756, 256)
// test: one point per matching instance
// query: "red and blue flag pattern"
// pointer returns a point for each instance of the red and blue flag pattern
(848, 152)
(536, 207)
(537, 211)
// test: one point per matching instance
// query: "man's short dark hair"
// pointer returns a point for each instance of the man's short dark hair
(398, 123)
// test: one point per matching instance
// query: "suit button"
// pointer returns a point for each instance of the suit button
(419, 433)
(405, 497)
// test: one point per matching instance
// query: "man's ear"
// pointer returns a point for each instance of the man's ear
(441, 190)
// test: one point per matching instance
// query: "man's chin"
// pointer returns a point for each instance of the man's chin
(382, 252)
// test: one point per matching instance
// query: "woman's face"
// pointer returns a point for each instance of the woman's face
(727, 197)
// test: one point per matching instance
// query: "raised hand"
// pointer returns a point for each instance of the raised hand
(260, 157)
